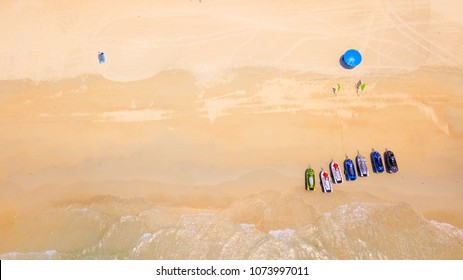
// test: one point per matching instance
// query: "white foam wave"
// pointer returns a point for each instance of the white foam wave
(247, 227)
(357, 212)
(127, 218)
(144, 239)
(50, 254)
(447, 229)
(85, 209)
(282, 233)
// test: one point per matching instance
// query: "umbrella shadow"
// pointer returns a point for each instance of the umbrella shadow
(344, 64)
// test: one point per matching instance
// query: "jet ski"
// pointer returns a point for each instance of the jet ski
(349, 170)
(336, 174)
(390, 162)
(376, 162)
(361, 165)
(309, 179)
(325, 181)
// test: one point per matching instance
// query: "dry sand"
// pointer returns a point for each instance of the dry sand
(199, 104)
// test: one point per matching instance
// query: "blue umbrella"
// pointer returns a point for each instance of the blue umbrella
(352, 58)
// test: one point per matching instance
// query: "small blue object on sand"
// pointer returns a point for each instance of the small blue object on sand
(101, 57)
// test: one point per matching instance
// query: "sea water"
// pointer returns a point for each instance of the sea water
(262, 226)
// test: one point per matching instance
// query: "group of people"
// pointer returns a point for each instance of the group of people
(359, 86)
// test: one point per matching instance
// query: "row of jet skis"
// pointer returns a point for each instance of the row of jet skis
(350, 172)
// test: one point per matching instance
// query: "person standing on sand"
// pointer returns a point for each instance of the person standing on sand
(359, 83)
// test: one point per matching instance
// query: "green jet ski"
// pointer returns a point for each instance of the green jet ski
(309, 179)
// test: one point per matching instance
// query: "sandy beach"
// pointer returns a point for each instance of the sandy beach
(196, 131)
